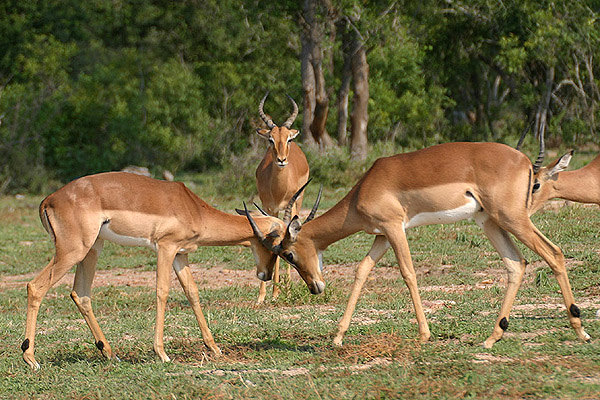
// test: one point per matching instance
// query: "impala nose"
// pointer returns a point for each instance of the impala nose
(263, 276)
(317, 287)
(282, 162)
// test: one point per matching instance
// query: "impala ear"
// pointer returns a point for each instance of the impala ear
(293, 133)
(263, 132)
(561, 164)
(252, 213)
(294, 228)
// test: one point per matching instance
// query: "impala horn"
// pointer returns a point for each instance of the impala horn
(287, 214)
(540, 159)
(259, 235)
(292, 118)
(315, 207)
(268, 121)
(522, 138)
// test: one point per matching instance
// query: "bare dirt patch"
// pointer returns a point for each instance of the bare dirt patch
(212, 278)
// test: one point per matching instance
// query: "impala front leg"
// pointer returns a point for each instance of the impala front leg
(163, 284)
(397, 238)
(378, 249)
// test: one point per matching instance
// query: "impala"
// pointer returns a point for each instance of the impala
(489, 182)
(282, 171)
(135, 210)
(581, 185)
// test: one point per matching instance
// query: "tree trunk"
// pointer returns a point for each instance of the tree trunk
(308, 89)
(344, 90)
(316, 101)
(360, 116)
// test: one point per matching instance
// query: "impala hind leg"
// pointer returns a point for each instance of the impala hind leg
(515, 265)
(182, 269)
(82, 296)
(58, 266)
(536, 241)
(378, 249)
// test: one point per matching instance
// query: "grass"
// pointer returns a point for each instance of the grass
(282, 349)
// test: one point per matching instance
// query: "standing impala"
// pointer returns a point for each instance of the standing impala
(135, 210)
(282, 171)
(489, 182)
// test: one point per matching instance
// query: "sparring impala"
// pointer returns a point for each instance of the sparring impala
(489, 182)
(139, 211)
(581, 185)
(282, 171)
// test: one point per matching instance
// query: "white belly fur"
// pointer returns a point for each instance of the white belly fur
(107, 234)
(465, 211)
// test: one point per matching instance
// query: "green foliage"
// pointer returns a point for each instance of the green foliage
(93, 86)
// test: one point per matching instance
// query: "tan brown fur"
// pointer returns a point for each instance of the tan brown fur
(165, 216)
(581, 185)
(281, 172)
(453, 180)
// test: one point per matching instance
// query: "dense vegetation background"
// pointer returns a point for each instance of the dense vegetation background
(89, 86)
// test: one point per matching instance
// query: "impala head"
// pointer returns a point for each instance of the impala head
(279, 137)
(262, 244)
(295, 249)
(543, 184)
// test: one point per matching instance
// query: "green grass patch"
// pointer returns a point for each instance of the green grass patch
(282, 349)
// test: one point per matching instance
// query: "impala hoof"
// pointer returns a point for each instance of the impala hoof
(33, 364)
(585, 337)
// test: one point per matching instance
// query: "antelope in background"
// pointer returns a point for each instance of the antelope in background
(282, 171)
(489, 182)
(135, 210)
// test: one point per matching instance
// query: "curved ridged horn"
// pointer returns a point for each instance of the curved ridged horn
(287, 215)
(292, 118)
(538, 163)
(522, 138)
(259, 235)
(268, 121)
(315, 207)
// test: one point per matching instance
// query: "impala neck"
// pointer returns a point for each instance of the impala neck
(337, 223)
(280, 176)
(581, 185)
(222, 229)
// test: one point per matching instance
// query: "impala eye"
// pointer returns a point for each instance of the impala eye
(271, 140)
(289, 257)
(536, 187)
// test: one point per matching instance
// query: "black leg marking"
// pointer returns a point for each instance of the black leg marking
(25, 345)
(503, 324)
(100, 345)
(575, 311)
